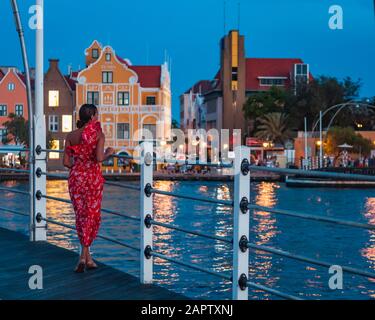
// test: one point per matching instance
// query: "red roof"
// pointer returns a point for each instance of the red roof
(149, 76)
(71, 82)
(264, 67)
(202, 86)
(1, 74)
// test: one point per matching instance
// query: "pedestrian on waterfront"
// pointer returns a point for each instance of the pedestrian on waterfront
(84, 151)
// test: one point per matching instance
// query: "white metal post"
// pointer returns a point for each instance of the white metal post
(241, 221)
(305, 166)
(321, 140)
(39, 225)
(146, 213)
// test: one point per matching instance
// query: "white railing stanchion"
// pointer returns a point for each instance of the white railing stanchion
(146, 212)
(39, 224)
(241, 221)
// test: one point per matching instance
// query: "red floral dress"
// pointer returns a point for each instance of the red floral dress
(86, 184)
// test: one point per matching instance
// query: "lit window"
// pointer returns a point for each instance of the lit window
(107, 76)
(53, 98)
(123, 98)
(11, 86)
(19, 110)
(55, 145)
(107, 57)
(123, 131)
(93, 97)
(66, 123)
(3, 110)
(95, 53)
(150, 100)
(53, 123)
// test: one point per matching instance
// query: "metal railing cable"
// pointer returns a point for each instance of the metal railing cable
(313, 173)
(52, 221)
(122, 185)
(160, 160)
(15, 212)
(197, 198)
(12, 149)
(15, 190)
(196, 233)
(272, 291)
(110, 183)
(190, 265)
(14, 170)
(312, 217)
(112, 212)
(309, 260)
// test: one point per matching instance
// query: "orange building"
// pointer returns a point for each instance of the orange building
(129, 98)
(13, 97)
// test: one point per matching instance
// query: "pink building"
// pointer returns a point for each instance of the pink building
(13, 96)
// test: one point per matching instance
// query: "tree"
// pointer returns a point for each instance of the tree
(175, 124)
(274, 127)
(337, 136)
(18, 130)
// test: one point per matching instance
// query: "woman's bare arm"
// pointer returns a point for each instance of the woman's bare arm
(67, 160)
(102, 155)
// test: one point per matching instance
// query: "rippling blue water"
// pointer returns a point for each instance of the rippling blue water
(341, 245)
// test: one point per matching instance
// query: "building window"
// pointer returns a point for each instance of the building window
(53, 123)
(19, 110)
(67, 123)
(55, 145)
(93, 97)
(53, 98)
(123, 98)
(107, 57)
(272, 82)
(123, 131)
(149, 129)
(95, 53)
(11, 86)
(150, 100)
(3, 110)
(301, 69)
(3, 134)
(107, 76)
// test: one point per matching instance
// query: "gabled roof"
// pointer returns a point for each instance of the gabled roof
(202, 86)
(268, 67)
(148, 76)
(71, 82)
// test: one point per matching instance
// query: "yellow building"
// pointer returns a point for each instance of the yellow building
(129, 98)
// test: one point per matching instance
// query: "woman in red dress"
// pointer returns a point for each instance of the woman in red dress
(84, 150)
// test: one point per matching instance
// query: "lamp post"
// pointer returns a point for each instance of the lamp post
(25, 60)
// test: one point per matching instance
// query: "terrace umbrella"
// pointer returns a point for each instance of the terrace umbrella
(345, 146)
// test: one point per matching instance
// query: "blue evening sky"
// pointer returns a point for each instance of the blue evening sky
(190, 30)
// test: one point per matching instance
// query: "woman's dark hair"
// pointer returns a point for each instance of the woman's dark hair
(86, 112)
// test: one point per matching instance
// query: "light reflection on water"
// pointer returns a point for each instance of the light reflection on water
(341, 245)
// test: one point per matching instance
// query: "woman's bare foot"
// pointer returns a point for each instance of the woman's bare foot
(81, 265)
(90, 264)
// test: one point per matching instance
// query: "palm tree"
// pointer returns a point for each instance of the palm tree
(274, 127)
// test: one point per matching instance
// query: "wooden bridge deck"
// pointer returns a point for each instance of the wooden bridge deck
(17, 254)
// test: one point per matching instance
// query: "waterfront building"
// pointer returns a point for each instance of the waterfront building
(59, 107)
(130, 98)
(13, 100)
(237, 79)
